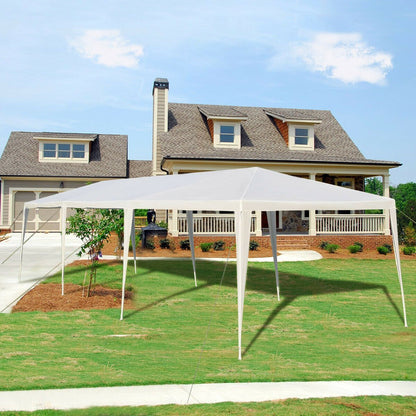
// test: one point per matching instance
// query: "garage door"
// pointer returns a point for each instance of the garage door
(45, 219)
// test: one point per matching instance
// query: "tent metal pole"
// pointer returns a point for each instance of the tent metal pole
(242, 235)
(128, 214)
(22, 241)
(271, 220)
(63, 230)
(393, 221)
(190, 221)
(133, 243)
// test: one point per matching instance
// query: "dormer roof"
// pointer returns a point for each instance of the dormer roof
(217, 112)
(293, 116)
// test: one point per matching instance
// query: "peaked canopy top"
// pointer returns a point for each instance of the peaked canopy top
(230, 190)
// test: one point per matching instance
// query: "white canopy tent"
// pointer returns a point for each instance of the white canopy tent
(238, 190)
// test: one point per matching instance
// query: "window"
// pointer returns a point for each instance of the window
(49, 150)
(227, 134)
(63, 152)
(301, 136)
(78, 151)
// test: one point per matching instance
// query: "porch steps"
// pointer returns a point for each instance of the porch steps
(292, 243)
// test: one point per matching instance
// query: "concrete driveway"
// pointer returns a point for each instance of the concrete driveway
(41, 258)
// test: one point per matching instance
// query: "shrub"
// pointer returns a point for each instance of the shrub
(219, 245)
(205, 247)
(332, 248)
(388, 247)
(253, 245)
(409, 235)
(409, 250)
(355, 248)
(150, 244)
(383, 249)
(165, 243)
(323, 245)
(361, 245)
(163, 224)
(185, 245)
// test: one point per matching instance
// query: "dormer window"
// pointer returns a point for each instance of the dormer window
(301, 137)
(226, 134)
(58, 150)
(224, 125)
(297, 129)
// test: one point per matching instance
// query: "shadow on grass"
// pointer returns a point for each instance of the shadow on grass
(293, 286)
(259, 279)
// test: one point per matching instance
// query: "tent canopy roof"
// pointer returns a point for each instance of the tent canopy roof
(231, 190)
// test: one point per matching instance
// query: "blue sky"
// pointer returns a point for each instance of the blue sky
(88, 66)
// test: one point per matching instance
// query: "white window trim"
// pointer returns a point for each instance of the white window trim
(70, 159)
(311, 137)
(237, 134)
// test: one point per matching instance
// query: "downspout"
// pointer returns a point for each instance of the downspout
(161, 164)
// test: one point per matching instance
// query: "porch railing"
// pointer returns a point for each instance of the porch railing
(350, 224)
(211, 224)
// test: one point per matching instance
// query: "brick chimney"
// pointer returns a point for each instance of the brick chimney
(160, 119)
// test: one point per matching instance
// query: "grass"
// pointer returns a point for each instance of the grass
(341, 406)
(337, 320)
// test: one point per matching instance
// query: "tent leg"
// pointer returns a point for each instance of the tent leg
(271, 219)
(393, 221)
(128, 215)
(133, 243)
(63, 230)
(22, 241)
(242, 234)
(190, 220)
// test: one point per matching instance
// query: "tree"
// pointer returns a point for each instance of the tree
(94, 227)
(405, 197)
(374, 186)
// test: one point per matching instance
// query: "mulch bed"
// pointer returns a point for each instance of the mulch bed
(47, 297)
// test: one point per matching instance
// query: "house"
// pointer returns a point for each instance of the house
(305, 143)
(193, 138)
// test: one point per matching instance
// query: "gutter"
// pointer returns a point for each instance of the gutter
(393, 164)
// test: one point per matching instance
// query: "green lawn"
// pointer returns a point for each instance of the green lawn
(337, 320)
(342, 406)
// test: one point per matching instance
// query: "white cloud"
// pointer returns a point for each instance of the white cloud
(346, 57)
(108, 48)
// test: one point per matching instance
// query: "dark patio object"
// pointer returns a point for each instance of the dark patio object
(153, 230)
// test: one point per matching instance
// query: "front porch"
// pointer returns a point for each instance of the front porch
(288, 223)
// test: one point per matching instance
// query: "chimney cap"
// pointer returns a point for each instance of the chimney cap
(161, 83)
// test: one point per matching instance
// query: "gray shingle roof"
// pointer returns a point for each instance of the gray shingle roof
(188, 137)
(108, 157)
(139, 168)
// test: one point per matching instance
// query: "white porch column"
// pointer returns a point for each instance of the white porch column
(386, 192)
(312, 213)
(173, 225)
(258, 229)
